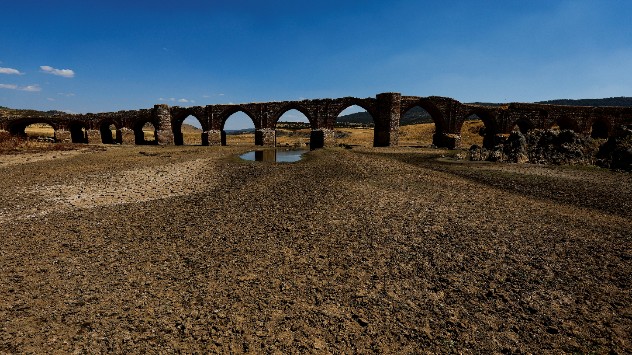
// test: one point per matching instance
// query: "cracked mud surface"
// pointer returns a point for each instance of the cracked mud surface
(138, 249)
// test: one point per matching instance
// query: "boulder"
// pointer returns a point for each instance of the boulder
(616, 153)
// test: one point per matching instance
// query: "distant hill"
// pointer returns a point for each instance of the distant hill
(232, 132)
(610, 101)
(413, 116)
(190, 128)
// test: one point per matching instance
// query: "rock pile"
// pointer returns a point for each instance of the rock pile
(616, 153)
(542, 147)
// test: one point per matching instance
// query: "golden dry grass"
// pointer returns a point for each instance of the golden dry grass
(410, 135)
(39, 130)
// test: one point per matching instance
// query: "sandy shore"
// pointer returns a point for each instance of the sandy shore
(148, 249)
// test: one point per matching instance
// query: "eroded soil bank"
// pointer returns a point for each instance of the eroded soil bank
(139, 249)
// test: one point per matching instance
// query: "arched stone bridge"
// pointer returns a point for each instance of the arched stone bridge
(386, 109)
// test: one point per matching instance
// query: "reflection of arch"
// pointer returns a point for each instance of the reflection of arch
(600, 129)
(283, 110)
(78, 132)
(566, 122)
(139, 135)
(105, 129)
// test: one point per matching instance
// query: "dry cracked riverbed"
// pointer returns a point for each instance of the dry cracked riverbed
(165, 249)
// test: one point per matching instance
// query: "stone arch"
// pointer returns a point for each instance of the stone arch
(225, 116)
(18, 127)
(600, 128)
(293, 126)
(346, 133)
(435, 115)
(524, 125)
(567, 122)
(233, 110)
(105, 130)
(177, 120)
(139, 134)
(429, 107)
(355, 102)
(490, 125)
(293, 106)
(78, 132)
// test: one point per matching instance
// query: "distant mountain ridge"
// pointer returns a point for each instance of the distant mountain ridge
(621, 101)
(414, 116)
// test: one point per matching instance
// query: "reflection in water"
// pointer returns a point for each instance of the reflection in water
(273, 155)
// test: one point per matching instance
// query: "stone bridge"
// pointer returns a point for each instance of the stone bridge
(386, 110)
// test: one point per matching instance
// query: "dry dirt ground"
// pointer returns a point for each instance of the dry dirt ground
(396, 250)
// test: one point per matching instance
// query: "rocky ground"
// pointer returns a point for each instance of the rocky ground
(165, 249)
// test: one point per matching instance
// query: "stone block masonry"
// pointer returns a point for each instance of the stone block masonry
(386, 109)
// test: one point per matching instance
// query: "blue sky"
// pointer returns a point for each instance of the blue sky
(134, 54)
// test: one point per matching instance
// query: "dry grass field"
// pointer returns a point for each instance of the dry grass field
(40, 130)
(164, 249)
(410, 135)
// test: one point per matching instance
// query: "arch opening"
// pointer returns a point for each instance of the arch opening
(188, 131)
(566, 122)
(417, 127)
(109, 133)
(238, 129)
(523, 126)
(474, 130)
(39, 131)
(479, 128)
(600, 129)
(293, 129)
(145, 133)
(354, 126)
(78, 133)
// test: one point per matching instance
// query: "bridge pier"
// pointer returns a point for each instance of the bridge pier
(164, 132)
(386, 131)
(63, 136)
(214, 137)
(119, 136)
(205, 138)
(322, 137)
(93, 136)
(265, 137)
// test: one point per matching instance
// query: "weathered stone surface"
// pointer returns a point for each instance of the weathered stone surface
(386, 109)
(616, 153)
(214, 137)
(265, 137)
(561, 147)
(541, 147)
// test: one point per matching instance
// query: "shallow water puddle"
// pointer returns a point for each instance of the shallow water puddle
(273, 155)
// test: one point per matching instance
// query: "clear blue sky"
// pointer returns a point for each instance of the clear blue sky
(96, 56)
